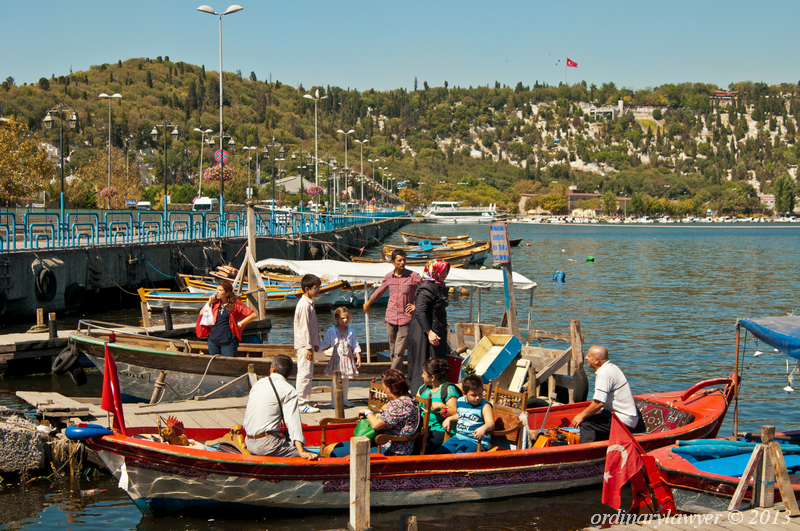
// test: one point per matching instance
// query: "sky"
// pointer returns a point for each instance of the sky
(386, 45)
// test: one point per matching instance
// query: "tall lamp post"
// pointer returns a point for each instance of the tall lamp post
(231, 9)
(154, 135)
(249, 158)
(316, 97)
(48, 124)
(106, 96)
(346, 134)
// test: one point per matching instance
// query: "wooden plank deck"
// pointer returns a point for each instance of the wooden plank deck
(212, 413)
(760, 519)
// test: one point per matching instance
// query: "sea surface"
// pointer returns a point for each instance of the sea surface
(663, 299)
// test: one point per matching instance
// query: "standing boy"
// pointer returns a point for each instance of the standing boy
(306, 341)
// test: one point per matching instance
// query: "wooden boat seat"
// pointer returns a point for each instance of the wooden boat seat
(232, 442)
(420, 438)
(508, 406)
(658, 418)
(377, 399)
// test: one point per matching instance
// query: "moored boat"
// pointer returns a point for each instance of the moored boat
(704, 477)
(415, 238)
(163, 479)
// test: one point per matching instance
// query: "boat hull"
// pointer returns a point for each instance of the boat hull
(163, 479)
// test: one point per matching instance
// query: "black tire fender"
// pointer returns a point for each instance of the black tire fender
(65, 359)
(581, 390)
(535, 401)
(45, 285)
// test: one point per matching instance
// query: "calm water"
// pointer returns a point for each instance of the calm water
(664, 300)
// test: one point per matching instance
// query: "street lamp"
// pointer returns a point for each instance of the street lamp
(203, 133)
(361, 143)
(231, 9)
(316, 97)
(249, 158)
(48, 124)
(346, 134)
(106, 96)
(154, 135)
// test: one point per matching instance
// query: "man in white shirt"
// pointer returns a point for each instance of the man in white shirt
(271, 401)
(612, 393)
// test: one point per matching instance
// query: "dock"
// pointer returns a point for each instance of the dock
(756, 519)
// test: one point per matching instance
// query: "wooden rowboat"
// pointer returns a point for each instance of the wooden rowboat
(454, 262)
(414, 238)
(190, 371)
(163, 479)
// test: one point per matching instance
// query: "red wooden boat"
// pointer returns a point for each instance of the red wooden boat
(706, 482)
(163, 479)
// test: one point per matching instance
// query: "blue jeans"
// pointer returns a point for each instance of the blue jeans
(227, 349)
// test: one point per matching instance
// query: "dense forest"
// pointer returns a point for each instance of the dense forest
(676, 148)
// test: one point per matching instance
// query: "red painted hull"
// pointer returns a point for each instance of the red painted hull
(165, 479)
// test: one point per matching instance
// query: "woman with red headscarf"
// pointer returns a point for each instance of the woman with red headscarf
(427, 333)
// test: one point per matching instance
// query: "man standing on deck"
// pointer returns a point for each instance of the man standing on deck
(612, 393)
(402, 285)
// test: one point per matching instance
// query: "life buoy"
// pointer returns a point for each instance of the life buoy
(65, 359)
(45, 285)
(581, 390)
(78, 432)
(3, 302)
(73, 295)
(77, 374)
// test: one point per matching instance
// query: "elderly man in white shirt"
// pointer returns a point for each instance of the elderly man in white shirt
(612, 393)
(271, 401)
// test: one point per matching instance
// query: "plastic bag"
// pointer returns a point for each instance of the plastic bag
(364, 429)
(207, 318)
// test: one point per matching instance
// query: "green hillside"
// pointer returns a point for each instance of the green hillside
(673, 148)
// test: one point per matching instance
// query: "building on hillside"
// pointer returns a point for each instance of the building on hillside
(292, 184)
(609, 112)
(725, 97)
(575, 194)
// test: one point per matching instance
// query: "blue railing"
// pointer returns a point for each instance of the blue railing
(45, 230)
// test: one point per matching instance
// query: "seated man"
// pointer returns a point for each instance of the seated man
(612, 393)
(271, 401)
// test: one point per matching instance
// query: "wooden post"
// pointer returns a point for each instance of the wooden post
(145, 315)
(577, 344)
(480, 290)
(167, 311)
(764, 483)
(782, 479)
(52, 325)
(262, 301)
(39, 316)
(359, 484)
(511, 303)
(252, 281)
(338, 395)
(366, 322)
(736, 386)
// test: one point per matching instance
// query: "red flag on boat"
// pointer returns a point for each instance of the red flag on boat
(623, 462)
(571, 63)
(112, 398)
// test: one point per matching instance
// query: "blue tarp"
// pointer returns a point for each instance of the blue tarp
(782, 333)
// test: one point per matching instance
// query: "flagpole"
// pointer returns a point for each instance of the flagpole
(565, 71)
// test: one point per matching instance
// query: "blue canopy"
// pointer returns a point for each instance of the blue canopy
(782, 333)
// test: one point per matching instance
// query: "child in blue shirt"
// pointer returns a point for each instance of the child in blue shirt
(474, 417)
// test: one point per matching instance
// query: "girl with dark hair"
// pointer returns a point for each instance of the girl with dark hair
(443, 399)
(427, 333)
(399, 417)
(222, 320)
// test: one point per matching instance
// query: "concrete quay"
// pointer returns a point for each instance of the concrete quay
(58, 280)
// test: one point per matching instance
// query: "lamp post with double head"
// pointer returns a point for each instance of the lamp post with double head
(249, 158)
(154, 135)
(346, 134)
(109, 98)
(316, 97)
(231, 9)
(48, 124)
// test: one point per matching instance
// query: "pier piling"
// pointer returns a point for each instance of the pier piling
(359, 484)
(52, 325)
(167, 315)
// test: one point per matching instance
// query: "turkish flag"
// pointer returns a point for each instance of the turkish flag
(623, 462)
(112, 398)
(571, 63)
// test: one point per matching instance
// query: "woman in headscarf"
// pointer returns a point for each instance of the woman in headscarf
(427, 333)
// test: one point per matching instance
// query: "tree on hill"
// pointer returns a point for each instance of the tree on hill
(785, 192)
(24, 168)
